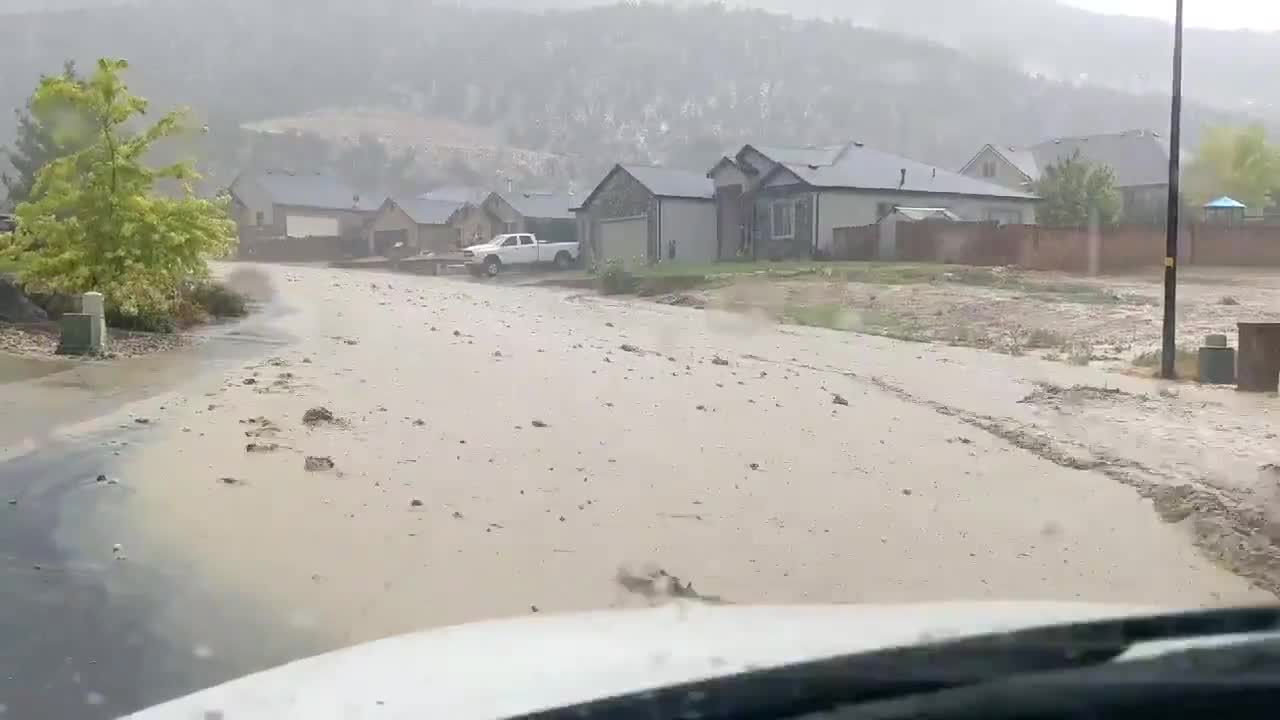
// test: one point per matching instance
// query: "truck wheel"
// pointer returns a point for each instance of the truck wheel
(492, 266)
(563, 261)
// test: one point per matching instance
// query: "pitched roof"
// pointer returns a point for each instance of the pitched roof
(540, 204)
(669, 182)
(425, 211)
(808, 155)
(1225, 202)
(314, 190)
(859, 167)
(1137, 157)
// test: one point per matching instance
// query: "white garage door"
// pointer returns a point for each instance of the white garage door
(626, 240)
(310, 226)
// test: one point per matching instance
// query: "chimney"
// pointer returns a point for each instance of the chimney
(510, 184)
(902, 180)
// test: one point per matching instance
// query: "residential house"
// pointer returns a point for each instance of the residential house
(545, 214)
(408, 226)
(284, 204)
(1138, 158)
(787, 202)
(647, 214)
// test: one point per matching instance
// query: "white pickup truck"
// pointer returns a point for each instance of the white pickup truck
(518, 249)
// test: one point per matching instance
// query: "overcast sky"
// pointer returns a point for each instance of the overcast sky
(1222, 14)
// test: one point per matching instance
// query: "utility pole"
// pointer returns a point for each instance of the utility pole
(1169, 347)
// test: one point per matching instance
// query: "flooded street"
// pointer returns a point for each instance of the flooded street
(430, 451)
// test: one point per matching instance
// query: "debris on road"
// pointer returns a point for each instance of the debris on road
(255, 447)
(457, 515)
(230, 481)
(539, 424)
(318, 464)
(838, 399)
(317, 415)
(628, 347)
(717, 360)
(415, 503)
(658, 584)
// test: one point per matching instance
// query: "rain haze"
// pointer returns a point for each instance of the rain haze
(351, 349)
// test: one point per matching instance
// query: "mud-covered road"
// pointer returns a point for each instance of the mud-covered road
(492, 450)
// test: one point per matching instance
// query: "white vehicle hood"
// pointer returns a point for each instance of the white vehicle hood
(509, 667)
(483, 247)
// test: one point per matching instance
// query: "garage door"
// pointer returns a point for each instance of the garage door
(310, 226)
(626, 240)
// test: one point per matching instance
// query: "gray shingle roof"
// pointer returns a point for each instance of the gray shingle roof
(425, 211)
(540, 204)
(669, 182)
(1137, 157)
(457, 193)
(809, 155)
(862, 168)
(314, 190)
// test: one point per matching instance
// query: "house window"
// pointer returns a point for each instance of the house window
(783, 220)
(259, 218)
(1003, 217)
(883, 210)
(988, 168)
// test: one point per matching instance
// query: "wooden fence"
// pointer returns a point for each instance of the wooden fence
(1110, 250)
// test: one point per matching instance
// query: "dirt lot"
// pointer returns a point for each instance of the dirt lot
(1113, 322)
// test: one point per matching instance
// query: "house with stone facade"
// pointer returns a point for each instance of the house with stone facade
(787, 202)
(644, 214)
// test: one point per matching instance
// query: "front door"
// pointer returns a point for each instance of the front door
(730, 228)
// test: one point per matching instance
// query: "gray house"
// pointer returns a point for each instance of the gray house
(648, 214)
(408, 226)
(285, 204)
(1139, 159)
(787, 202)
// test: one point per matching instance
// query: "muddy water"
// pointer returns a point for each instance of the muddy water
(710, 447)
(78, 630)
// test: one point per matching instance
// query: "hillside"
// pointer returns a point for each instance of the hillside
(590, 86)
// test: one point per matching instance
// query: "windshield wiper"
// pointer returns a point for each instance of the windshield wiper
(918, 670)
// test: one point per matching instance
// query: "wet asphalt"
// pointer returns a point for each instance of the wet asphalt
(84, 631)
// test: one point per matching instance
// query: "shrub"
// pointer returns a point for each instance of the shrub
(218, 300)
(615, 279)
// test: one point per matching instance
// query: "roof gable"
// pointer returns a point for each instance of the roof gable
(425, 211)
(858, 167)
(543, 205)
(669, 182)
(1137, 157)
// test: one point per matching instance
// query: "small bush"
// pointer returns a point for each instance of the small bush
(615, 279)
(218, 300)
(1042, 338)
(144, 321)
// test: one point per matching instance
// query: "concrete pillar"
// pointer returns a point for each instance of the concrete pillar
(93, 305)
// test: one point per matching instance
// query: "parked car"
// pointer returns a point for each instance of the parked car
(7, 223)
(518, 249)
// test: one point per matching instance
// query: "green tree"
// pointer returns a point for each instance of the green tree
(1234, 161)
(1076, 193)
(96, 221)
(54, 131)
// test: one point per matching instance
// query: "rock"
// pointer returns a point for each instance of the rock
(16, 307)
(317, 415)
(717, 360)
(608, 324)
(249, 381)
(254, 447)
(229, 481)
(534, 608)
(142, 421)
(415, 503)
(906, 491)
(457, 333)
(703, 408)
(318, 464)
(102, 478)
(628, 347)
(838, 399)
(754, 466)
(539, 424)
(457, 515)
(349, 341)
(419, 422)
(961, 440)
(497, 353)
